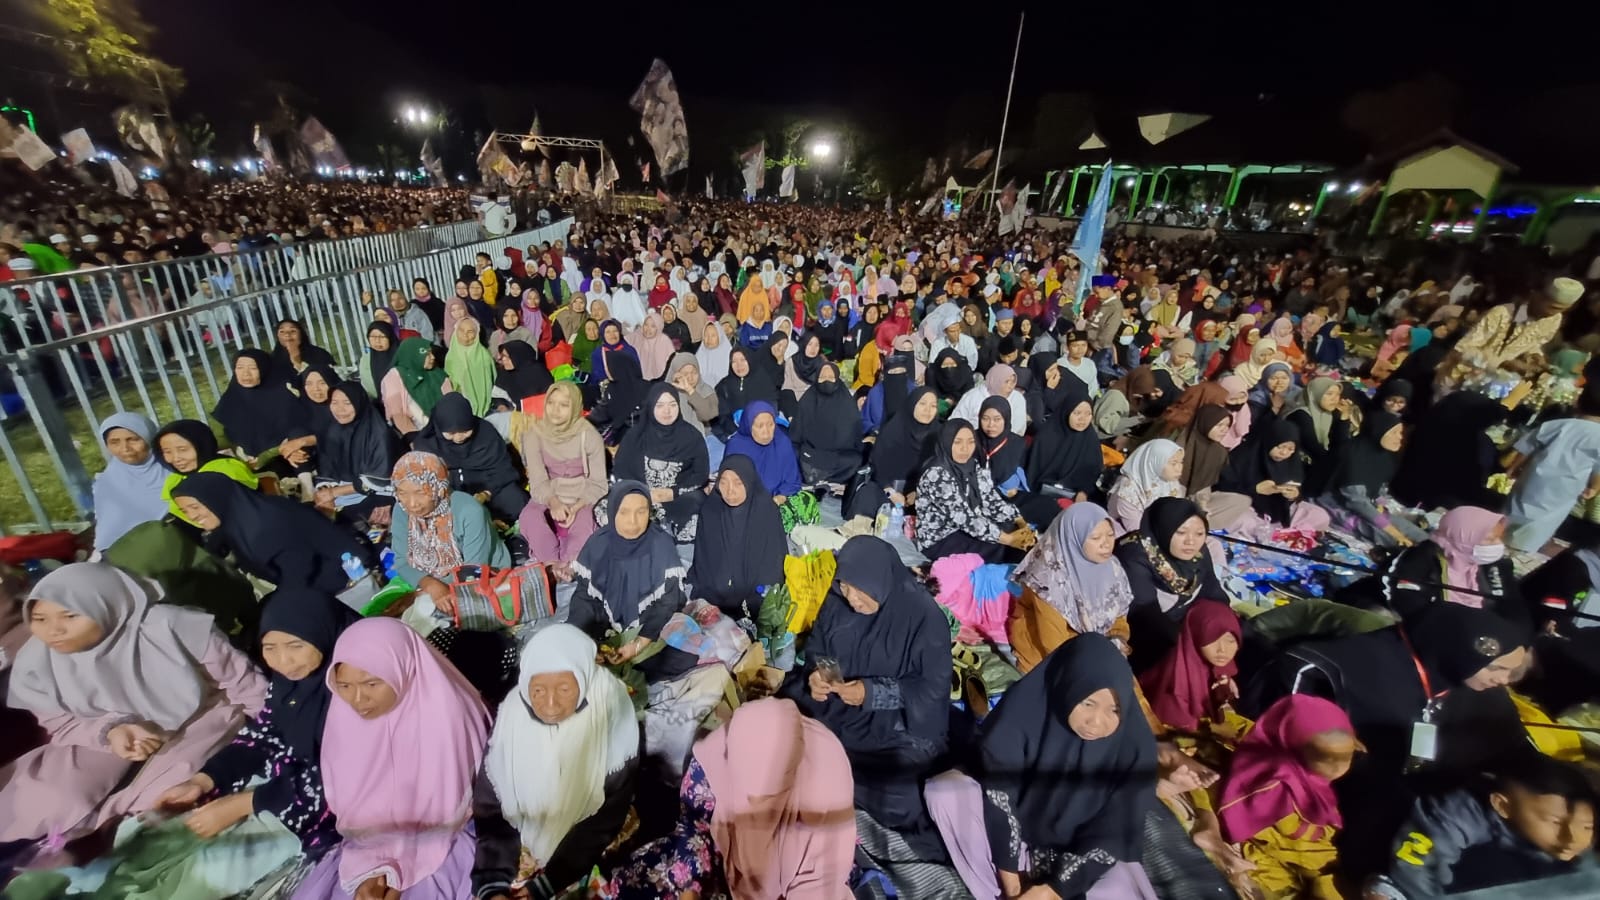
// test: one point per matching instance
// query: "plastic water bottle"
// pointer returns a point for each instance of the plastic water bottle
(880, 523)
(354, 569)
(386, 562)
(897, 519)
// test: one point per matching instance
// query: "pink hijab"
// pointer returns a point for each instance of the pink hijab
(654, 352)
(784, 818)
(996, 378)
(401, 784)
(1282, 332)
(532, 316)
(1399, 339)
(455, 312)
(1269, 758)
(1239, 427)
(1459, 531)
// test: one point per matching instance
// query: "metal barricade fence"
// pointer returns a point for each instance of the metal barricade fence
(175, 364)
(51, 307)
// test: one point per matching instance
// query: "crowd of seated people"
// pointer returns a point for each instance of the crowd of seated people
(882, 564)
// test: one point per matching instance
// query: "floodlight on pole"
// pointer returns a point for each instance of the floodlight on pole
(822, 149)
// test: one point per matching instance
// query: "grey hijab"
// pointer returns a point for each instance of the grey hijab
(146, 667)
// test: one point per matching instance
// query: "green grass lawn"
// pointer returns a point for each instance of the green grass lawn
(16, 514)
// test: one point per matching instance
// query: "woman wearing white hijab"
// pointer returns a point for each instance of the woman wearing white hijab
(560, 770)
(1153, 471)
(713, 353)
(128, 492)
(627, 307)
(679, 281)
(770, 276)
(571, 274)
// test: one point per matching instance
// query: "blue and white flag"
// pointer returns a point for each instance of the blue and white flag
(1086, 243)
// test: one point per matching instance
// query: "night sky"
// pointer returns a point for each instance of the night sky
(928, 77)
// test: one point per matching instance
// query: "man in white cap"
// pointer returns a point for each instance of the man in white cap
(1511, 329)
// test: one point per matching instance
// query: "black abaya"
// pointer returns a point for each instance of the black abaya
(901, 655)
(481, 463)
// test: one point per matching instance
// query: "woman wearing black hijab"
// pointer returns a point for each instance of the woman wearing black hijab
(1269, 471)
(1169, 569)
(958, 508)
(294, 350)
(522, 375)
(668, 455)
(355, 457)
(621, 393)
(375, 364)
(950, 376)
(316, 389)
(278, 540)
(479, 459)
(1446, 666)
(826, 431)
(1450, 456)
(740, 545)
(1068, 770)
(903, 448)
(628, 575)
(886, 691)
(283, 743)
(745, 383)
(258, 413)
(1065, 460)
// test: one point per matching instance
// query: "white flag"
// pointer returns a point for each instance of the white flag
(786, 186)
(33, 152)
(127, 186)
(709, 194)
(79, 147)
(755, 168)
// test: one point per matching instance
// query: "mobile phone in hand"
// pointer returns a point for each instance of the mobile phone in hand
(828, 668)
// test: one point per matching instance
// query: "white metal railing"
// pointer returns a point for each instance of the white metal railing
(174, 363)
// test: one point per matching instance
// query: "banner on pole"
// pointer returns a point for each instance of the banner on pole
(127, 185)
(23, 144)
(80, 148)
(324, 147)
(754, 167)
(661, 118)
(432, 163)
(582, 182)
(1086, 243)
(786, 185)
(263, 145)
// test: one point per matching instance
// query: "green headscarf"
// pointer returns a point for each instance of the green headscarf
(425, 386)
(583, 348)
(471, 370)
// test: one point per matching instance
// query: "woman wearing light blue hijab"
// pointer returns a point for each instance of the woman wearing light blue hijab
(128, 492)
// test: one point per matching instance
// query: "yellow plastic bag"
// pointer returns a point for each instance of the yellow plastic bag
(808, 578)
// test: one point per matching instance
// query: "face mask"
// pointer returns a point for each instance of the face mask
(1125, 340)
(1487, 554)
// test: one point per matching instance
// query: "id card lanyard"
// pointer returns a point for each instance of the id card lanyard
(1424, 733)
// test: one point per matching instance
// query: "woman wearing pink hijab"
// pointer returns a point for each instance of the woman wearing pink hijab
(653, 346)
(400, 752)
(1238, 403)
(1278, 801)
(771, 795)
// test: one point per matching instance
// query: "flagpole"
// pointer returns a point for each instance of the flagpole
(1000, 150)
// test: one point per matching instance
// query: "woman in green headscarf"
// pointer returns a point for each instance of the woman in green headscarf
(814, 294)
(583, 345)
(414, 386)
(470, 365)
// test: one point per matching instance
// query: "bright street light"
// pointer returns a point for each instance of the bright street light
(822, 149)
